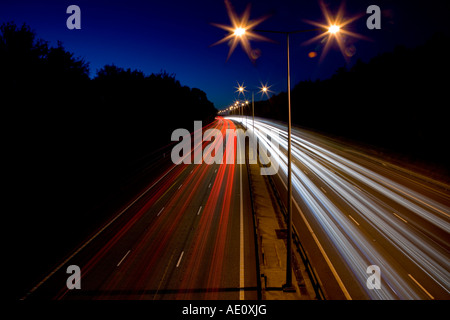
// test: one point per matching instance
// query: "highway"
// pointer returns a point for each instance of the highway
(187, 235)
(352, 210)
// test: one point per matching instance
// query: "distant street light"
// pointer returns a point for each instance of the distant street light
(241, 31)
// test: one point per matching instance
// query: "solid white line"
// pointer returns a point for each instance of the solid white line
(431, 297)
(199, 209)
(95, 236)
(354, 220)
(179, 259)
(241, 240)
(400, 217)
(316, 240)
(160, 212)
(123, 258)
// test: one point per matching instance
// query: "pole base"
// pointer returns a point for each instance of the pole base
(288, 288)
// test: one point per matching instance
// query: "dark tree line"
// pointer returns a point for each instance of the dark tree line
(397, 101)
(74, 142)
(96, 127)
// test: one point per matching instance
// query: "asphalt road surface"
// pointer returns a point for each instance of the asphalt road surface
(188, 235)
(353, 211)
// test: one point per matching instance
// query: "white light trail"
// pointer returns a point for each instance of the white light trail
(375, 200)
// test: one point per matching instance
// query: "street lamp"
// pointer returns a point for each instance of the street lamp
(241, 31)
(288, 286)
(334, 29)
(264, 89)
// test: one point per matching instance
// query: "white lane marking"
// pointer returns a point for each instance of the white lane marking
(417, 199)
(428, 294)
(199, 209)
(94, 236)
(179, 259)
(180, 186)
(354, 220)
(126, 254)
(241, 240)
(160, 212)
(209, 185)
(192, 170)
(400, 217)
(316, 240)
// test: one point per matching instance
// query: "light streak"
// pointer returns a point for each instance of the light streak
(372, 204)
(240, 31)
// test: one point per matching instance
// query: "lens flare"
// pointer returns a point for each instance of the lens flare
(240, 31)
(264, 90)
(335, 31)
(241, 89)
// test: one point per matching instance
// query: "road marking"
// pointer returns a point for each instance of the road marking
(428, 294)
(163, 277)
(160, 212)
(192, 170)
(209, 185)
(215, 171)
(354, 220)
(241, 240)
(180, 186)
(199, 209)
(316, 240)
(123, 258)
(95, 236)
(324, 191)
(400, 217)
(305, 172)
(179, 259)
(417, 199)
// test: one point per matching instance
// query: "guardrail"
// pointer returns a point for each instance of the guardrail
(299, 247)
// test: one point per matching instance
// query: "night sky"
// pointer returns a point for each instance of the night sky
(176, 36)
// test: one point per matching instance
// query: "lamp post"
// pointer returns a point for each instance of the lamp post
(264, 89)
(288, 286)
(242, 31)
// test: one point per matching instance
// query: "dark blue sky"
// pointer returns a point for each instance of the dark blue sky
(176, 36)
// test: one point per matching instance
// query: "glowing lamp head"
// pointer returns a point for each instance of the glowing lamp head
(239, 32)
(333, 29)
(241, 89)
(264, 89)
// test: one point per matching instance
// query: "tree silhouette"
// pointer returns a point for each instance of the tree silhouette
(76, 142)
(394, 102)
